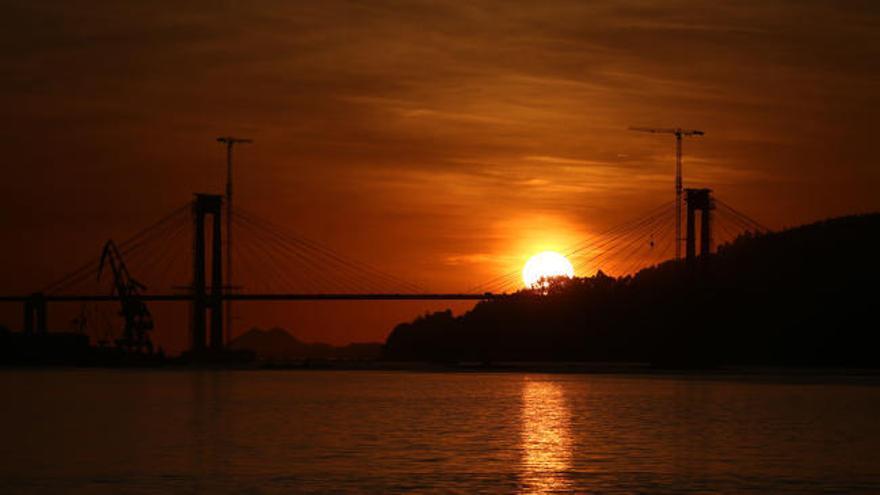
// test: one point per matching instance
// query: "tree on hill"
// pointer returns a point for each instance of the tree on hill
(803, 296)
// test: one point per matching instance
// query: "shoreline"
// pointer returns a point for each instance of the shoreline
(792, 374)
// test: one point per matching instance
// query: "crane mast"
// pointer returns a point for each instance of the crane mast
(138, 320)
(678, 133)
(229, 142)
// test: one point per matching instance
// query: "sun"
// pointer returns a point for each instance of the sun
(545, 265)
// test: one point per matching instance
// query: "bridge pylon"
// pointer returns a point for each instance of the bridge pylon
(699, 200)
(207, 299)
(34, 319)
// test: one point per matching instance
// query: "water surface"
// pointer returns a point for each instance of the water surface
(105, 431)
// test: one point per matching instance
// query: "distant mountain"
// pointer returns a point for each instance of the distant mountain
(802, 296)
(277, 344)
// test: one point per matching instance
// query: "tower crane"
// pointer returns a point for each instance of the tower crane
(229, 142)
(138, 320)
(678, 133)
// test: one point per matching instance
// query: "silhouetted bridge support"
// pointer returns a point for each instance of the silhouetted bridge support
(207, 298)
(204, 302)
(207, 291)
(34, 317)
(699, 200)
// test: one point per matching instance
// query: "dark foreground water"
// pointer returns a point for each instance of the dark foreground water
(373, 432)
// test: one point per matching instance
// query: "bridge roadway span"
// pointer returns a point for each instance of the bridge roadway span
(264, 297)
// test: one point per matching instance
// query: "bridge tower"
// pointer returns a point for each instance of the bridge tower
(34, 316)
(699, 200)
(207, 299)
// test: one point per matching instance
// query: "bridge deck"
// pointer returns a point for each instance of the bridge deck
(265, 297)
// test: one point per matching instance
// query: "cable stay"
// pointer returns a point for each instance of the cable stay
(632, 237)
(303, 264)
(270, 259)
(139, 242)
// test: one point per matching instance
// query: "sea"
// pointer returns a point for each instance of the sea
(274, 431)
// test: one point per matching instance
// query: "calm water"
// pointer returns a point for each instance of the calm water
(373, 432)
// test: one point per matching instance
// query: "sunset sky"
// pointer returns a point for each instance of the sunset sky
(442, 142)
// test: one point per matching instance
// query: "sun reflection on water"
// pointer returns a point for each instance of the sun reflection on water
(546, 441)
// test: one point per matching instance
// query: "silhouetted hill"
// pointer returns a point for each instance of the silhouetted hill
(276, 344)
(802, 296)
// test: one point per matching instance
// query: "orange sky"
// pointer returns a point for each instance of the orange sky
(441, 142)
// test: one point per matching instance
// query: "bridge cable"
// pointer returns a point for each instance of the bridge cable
(355, 268)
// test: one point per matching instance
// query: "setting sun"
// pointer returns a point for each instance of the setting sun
(545, 265)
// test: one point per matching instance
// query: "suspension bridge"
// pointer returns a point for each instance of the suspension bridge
(180, 258)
